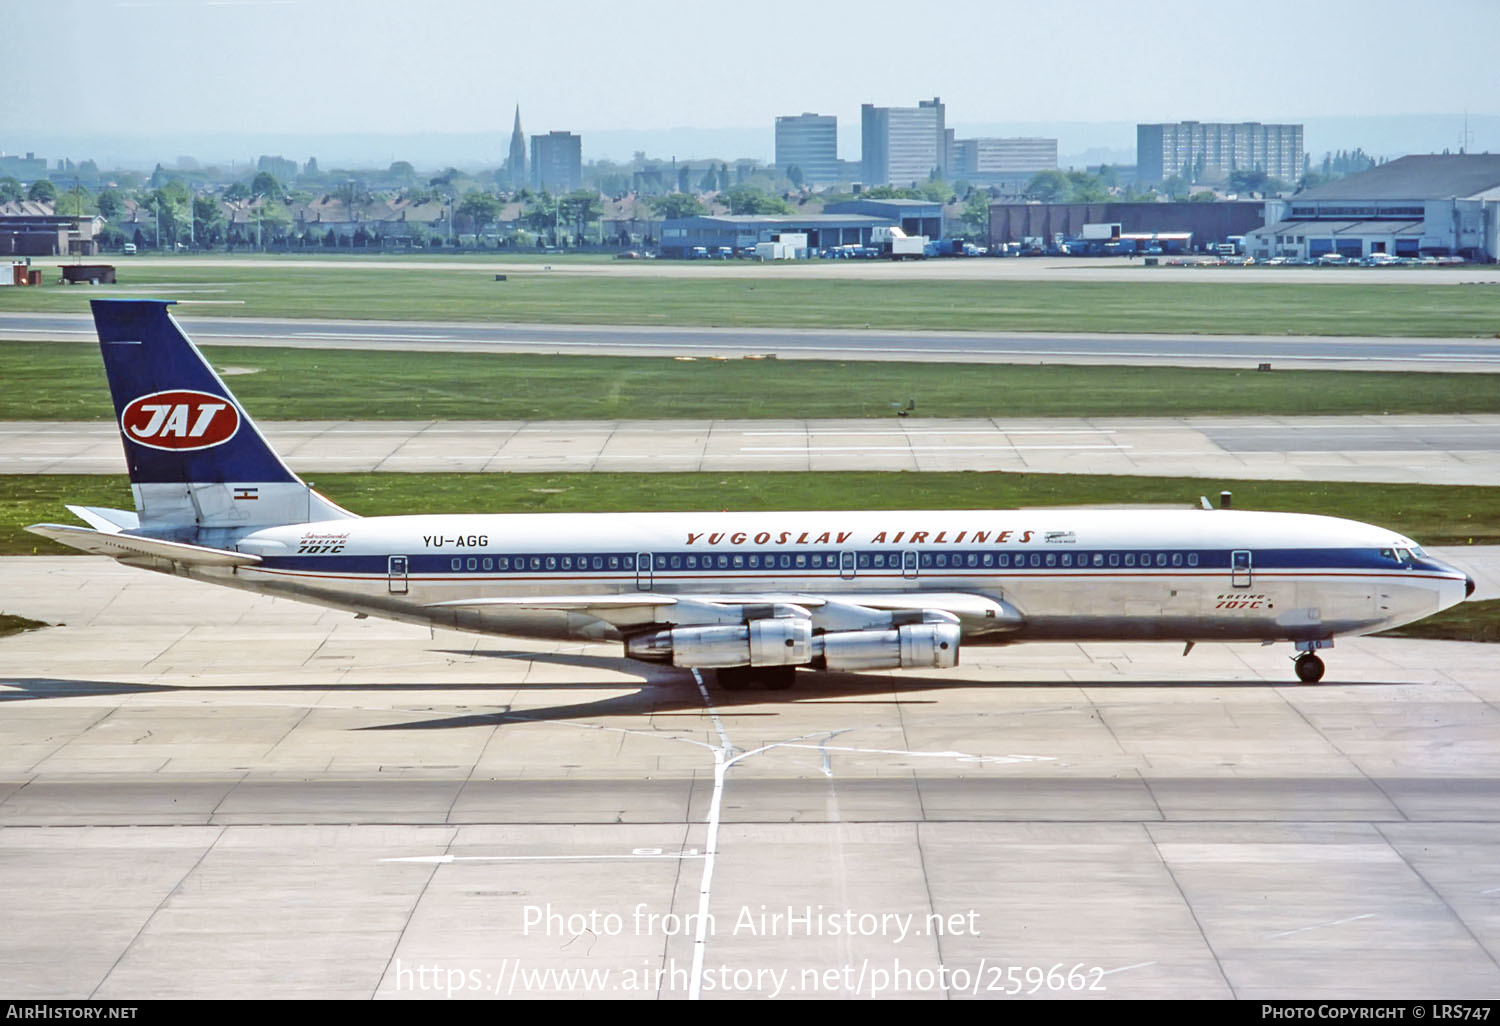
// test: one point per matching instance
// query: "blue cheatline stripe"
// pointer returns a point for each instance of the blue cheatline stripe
(958, 563)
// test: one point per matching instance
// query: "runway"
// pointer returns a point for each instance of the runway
(1244, 351)
(1406, 448)
(1122, 269)
(205, 793)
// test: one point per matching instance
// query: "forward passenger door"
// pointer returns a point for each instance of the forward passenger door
(1239, 568)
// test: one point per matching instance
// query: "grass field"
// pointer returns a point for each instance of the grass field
(1470, 621)
(65, 381)
(12, 624)
(780, 298)
(1434, 515)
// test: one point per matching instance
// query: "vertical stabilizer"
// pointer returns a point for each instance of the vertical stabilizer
(196, 459)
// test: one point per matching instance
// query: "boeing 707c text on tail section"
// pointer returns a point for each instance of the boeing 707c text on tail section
(753, 596)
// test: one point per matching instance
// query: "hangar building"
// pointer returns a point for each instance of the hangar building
(1209, 223)
(34, 229)
(914, 216)
(1441, 205)
(681, 235)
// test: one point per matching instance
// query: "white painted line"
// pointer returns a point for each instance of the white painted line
(711, 842)
(810, 430)
(731, 350)
(924, 448)
(1319, 926)
(961, 756)
(444, 859)
(1127, 968)
(359, 336)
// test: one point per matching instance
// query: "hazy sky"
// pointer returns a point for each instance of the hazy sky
(163, 67)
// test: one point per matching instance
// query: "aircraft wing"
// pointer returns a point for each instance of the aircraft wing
(562, 602)
(977, 614)
(129, 548)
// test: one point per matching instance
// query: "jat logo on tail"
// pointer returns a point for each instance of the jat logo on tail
(180, 419)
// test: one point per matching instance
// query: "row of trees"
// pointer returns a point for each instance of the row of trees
(1104, 186)
(178, 214)
(40, 191)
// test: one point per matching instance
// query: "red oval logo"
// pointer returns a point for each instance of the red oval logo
(180, 419)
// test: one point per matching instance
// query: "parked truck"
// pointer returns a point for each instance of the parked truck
(897, 245)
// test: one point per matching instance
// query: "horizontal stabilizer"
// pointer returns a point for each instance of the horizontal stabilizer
(110, 521)
(127, 546)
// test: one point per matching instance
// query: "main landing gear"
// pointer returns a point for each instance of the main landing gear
(1309, 667)
(771, 678)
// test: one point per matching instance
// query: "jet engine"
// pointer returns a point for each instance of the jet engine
(778, 641)
(909, 646)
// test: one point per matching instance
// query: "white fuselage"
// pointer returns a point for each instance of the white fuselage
(1185, 575)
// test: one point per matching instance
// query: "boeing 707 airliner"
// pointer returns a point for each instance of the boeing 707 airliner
(753, 596)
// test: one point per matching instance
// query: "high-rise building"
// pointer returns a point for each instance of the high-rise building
(1002, 156)
(557, 161)
(516, 165)
(1208, 151)
(902, 145)
(810, 143)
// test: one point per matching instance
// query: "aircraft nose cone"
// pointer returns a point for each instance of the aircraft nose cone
(1468, 585)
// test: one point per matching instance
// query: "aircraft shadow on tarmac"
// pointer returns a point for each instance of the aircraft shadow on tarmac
(674, 692)
(665, 690)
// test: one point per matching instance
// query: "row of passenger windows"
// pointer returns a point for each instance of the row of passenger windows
(891, 559)
(544, 563)
(1086, 560)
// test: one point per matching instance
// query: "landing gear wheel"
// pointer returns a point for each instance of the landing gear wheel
(1309, 668)
(734, 678)
(778, 678)
(771, 678)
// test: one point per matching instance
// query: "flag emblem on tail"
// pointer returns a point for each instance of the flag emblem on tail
(180, 420)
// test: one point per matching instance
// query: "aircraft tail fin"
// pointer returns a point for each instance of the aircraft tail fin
(196, 459)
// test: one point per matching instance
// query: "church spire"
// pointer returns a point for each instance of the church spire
(517, 162)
